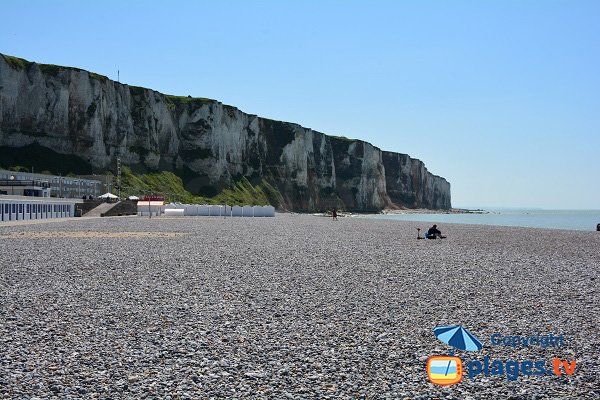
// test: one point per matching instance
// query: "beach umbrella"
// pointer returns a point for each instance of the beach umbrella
(457, 336)
(108, 196)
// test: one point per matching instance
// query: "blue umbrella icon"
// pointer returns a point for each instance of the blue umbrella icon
(457, 336)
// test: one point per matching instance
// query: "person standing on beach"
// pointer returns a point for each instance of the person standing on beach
(334, 214)
(434, 233)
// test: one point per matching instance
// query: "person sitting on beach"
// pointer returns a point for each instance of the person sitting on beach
(434, 233)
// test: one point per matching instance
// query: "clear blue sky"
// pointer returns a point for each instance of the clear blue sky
(501, 98)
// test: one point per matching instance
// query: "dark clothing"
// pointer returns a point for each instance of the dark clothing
(433, 232)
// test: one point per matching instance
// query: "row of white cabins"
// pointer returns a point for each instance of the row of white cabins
(23, 208)
(204, 210)
(25, 196)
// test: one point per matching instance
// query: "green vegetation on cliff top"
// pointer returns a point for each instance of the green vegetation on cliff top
(50, 69)
(53, 70)
(185, 100)
(16, 62)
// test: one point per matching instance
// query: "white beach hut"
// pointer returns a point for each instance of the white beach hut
(215, 210)
(248, 211)
(236, 211)
(174, 212)
(203, 210)
(227, 210)
(258, 211)
(191, 210)
(269, 211)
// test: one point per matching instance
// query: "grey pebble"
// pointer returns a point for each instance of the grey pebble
(288, 307)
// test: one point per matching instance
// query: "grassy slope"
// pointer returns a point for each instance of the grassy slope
(171, 186)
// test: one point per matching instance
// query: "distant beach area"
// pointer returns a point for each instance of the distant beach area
(584, 220)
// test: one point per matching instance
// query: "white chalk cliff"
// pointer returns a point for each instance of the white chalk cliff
(73, 112)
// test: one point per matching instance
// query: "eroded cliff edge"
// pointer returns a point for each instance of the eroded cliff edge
(209, 144)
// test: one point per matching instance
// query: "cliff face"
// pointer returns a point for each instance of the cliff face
(409, 183)
(210, 145)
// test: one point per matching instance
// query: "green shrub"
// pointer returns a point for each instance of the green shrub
(243, 193)
(344, 138)
(16, 62)
(99, 77)
(136, 90)
(50, 69)
(171, 186)
(175, 101)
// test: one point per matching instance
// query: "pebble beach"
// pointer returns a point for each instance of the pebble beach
(291, 307)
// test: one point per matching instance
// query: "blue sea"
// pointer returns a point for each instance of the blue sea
(584, 220)
(444, 367)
